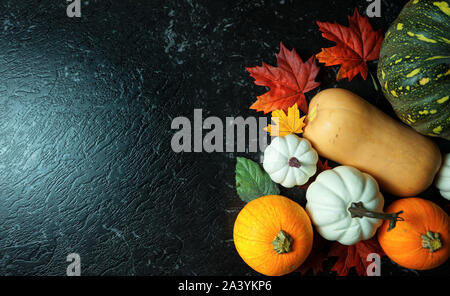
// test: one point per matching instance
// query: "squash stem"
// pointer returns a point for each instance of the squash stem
(357, 210)
(282, 243)
(431, 241)
(374, 81)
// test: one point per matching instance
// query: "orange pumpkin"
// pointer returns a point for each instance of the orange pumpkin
(273, 235)
(345, 128)
(422, 240)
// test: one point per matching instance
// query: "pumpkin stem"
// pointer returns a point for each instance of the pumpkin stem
(294, 162)
(282, 243)
(357, 210)
(431, 241)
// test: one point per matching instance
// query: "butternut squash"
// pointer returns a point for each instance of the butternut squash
(345, 128)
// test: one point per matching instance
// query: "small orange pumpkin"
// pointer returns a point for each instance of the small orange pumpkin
(422, 240)
(273, 235)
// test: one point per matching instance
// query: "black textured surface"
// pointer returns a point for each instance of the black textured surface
(86, 105)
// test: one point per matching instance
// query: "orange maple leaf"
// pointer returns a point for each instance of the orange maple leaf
(321, 166)
(355, 45)
(354, 256)
(317, 257)
(288, 82)
(285, 125)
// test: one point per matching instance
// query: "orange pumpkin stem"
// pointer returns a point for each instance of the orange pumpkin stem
(431, 241)
(357, 210)
(282, 243)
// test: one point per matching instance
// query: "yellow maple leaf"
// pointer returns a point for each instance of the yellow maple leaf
(286, 124)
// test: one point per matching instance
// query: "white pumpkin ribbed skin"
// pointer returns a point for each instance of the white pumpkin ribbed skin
(443, 177)
(277, 155)
(330, 196)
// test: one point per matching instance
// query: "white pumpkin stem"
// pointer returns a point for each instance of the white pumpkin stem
(282, 243)
(294, 162)
(357, 210)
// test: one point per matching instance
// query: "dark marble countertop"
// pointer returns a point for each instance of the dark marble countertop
(86, 106)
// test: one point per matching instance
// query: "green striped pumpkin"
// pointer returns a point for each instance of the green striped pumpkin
(414, 66)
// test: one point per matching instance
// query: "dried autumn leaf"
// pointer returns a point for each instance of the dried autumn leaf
(354, 256)
(285, 125)
(355, 46)
(288, 82)
(317, 256)
(321, 166)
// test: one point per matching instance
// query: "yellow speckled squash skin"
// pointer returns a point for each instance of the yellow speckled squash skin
(257, 226)
(414, 66)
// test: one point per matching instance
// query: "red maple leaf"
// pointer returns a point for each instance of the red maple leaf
(355, 45)
(320, 168)
(317, 256)
(288, 82)
(354, 256)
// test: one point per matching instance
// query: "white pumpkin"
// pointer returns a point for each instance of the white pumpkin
(443, 177)
(290, 160)
(345, 205)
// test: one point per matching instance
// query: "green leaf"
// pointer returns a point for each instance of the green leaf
(251, 181)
